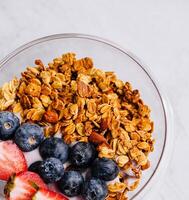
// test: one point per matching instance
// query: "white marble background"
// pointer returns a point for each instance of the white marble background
(156, 31)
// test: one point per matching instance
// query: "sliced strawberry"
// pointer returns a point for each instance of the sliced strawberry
(23, 186)
(12, 160)
(44, 194)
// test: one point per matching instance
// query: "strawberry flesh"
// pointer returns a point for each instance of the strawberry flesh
(23, 186)
(12, 160)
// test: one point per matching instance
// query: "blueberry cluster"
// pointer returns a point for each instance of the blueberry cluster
(27, 136)
(82, 156)
(55, 153)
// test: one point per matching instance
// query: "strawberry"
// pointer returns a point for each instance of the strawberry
(12, 160)
(44, 194)
(23, 186)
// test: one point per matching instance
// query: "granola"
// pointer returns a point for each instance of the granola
(84, 103)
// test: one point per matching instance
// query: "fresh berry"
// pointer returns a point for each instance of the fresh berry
(28, 136)
(54, 147)
(105, 169)
(9, 123)
(23, 186)
(95, 189)
(71, 183)
(51, 170)
(44, 194)
(34, 167)
(12, 160)
(82, 154)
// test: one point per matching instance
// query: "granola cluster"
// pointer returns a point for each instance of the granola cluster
(8, 94)
(84, 103)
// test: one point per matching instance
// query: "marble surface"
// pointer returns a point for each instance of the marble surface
(156, 31)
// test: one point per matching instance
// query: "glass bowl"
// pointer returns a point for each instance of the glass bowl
(110, 57)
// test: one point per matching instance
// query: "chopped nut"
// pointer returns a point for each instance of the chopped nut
(83, 89)
(51, 116)
(97, 138)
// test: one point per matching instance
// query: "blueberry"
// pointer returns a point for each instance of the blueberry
(54, 147)
(28, 136)
(105, 169)
(9, 123)
(51, 170)
(94, 189)
(71, 183)
(82, 154)
(34, 167)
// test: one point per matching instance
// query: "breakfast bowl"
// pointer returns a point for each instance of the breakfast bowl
(109, 57)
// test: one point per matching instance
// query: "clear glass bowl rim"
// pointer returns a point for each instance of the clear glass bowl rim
(164, 103)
